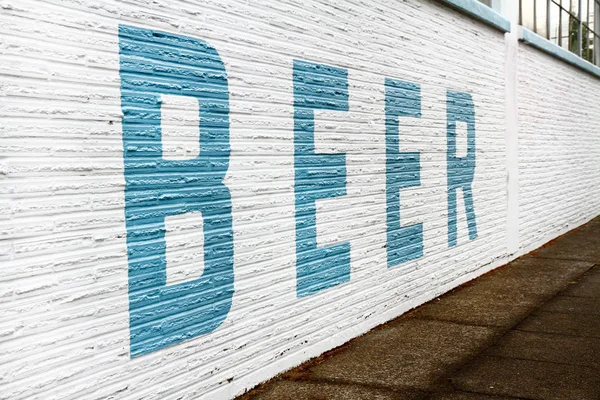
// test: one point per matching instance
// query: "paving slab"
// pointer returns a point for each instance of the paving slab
(299, 390)
(529, 330)
(475, 311)
(574, 247)
(587, 286)
(573, 305)
(593, 274)
(458, 395)
(590, 230)
(548, 347)
(527, 277)
(529, 379)
(415, 353)
(562, 324)
(538, 275)
(504, 297)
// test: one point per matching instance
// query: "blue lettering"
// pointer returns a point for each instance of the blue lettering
(152, 64)
(317, 176)
(403, 170)
(461, 170)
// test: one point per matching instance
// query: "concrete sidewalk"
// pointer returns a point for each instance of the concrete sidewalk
(530, 329)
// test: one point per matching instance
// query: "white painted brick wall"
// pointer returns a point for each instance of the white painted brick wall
(559, 147)
(64, 320)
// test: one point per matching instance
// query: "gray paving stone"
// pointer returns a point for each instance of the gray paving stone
(302, 390)
(548, 347)
(540, 275)
(588, 286)
(573, 247)
(529, 379)
(594, 274)
(414, 353)
(477, 311)
(503, 298)
(550, 353)
(589, 231)
(573, 305)
(562, 324)
(526, 279)
(458, 395)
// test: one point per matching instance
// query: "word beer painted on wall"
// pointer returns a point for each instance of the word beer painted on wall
(153, 64)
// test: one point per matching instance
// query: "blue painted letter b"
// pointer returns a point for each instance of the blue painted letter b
(153, 64)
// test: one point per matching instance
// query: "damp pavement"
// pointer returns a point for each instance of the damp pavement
(528, 330)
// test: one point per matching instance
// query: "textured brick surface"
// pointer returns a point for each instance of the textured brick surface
(558, 150)
(64, 289)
